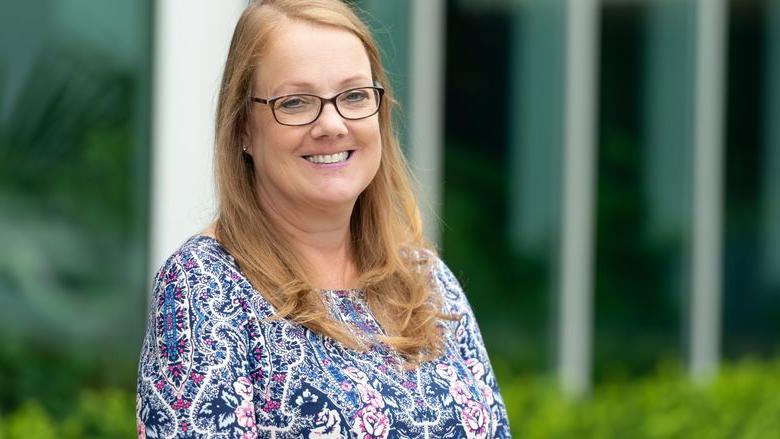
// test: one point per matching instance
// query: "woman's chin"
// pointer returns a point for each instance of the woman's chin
(337, 200)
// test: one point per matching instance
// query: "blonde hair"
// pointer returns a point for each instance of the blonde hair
(391, 255)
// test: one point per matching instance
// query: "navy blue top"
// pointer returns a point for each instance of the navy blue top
(212, 366)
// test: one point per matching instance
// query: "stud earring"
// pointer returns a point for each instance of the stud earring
(244, 148)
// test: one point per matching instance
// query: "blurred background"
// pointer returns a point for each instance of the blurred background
(602, 176)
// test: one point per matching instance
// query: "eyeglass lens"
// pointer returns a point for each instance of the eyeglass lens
(302, 109)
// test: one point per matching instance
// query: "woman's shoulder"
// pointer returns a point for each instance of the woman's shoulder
(441, 278)
(450, 287)
(200, 260)
(196, 253)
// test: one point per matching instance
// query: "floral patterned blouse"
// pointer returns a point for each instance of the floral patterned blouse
(212, 366)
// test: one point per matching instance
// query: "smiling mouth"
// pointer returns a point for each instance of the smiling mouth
(322, 159)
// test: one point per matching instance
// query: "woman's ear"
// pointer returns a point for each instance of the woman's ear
(246, 140)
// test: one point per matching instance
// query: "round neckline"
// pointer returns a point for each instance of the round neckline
(346, 291)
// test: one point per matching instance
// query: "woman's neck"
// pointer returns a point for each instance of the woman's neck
(322, 237)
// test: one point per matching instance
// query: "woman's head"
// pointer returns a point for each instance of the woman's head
(318, 47)
(271, 49)
(307, 157)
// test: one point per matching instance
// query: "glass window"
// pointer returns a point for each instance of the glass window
(751, 276)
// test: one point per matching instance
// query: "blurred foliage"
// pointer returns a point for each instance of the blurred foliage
(108, 413)
(71, 211)
(67, 141)
(512, 292)
(69, 197)
(52, 375)
(637, 275)
(742, 402)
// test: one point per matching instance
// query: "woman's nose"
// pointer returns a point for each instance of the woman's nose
(330, 122)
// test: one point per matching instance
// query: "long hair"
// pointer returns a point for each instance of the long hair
(392, 257)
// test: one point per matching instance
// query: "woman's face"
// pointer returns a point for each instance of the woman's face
(323, 61)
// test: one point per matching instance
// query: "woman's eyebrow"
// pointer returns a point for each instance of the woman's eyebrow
(305, 85)
(355, 78)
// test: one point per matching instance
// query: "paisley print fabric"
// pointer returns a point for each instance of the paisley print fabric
(213, 365)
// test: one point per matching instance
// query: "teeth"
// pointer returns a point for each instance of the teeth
(332, 158)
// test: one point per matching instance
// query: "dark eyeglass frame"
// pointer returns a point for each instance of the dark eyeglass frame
(333, 100)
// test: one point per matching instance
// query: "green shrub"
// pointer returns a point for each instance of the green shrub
(106, 414)
(95, 414)
(28, 421)
(742, 402)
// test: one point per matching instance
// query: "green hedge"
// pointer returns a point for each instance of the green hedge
(103, 414)
(743, 402)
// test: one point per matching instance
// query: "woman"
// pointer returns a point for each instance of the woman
(312, 307)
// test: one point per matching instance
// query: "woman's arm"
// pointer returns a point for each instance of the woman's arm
(194, 374)
(472, 347)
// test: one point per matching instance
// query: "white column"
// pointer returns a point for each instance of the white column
(191, 39)
(579, 186)
(707, 189)
(426, 108)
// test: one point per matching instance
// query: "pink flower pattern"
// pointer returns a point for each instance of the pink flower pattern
(476, 367)
(446, 371)
(243, 387)
(371, 423)
(245, 413)
(474, 418)
(370, 396)
(460, 393)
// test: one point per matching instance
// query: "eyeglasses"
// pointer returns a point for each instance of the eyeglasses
(303, 109)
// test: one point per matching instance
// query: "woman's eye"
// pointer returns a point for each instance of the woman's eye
(297, 104)
(292, 103)
(356, 96)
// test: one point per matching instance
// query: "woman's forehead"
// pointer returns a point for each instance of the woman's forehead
(304, 55)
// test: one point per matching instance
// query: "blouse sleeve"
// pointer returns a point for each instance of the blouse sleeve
(193, 377)
(472, 347)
